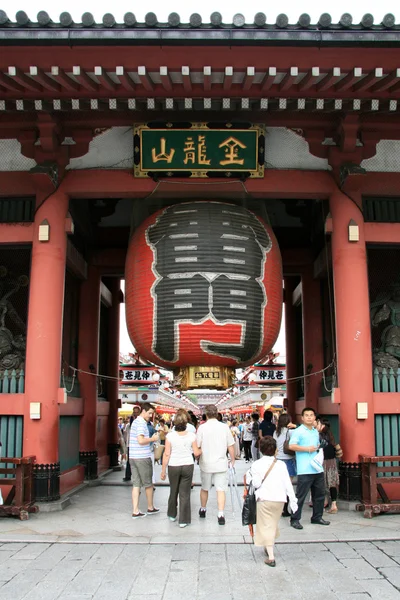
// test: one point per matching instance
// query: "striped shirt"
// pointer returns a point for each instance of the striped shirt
(136, 450)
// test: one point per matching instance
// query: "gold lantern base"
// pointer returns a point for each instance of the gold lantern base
(204, 377)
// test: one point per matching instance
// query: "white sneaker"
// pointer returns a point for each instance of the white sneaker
(173, 519)
(183, 525)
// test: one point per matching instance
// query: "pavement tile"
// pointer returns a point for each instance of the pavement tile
(360, 568)
(391, 548)
(30, 551)
(46, 590)
(380, 589)
(342, 550)
(392, 574)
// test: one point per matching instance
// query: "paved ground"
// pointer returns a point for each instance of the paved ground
(332, 571)
(103, 514)
(93, 550)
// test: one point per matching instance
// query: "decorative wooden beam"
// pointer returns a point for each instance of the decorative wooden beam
(124, 79)
(348, 81)
(329, 80)
(64, 80)
(228, 78)
(207, 78)
(104, 79)
(24, 80)
(387, 82)
(289, 79)
(309, 80)
(10, 84)
(249, 78)
(186, 81)
(47, 82)
(369, 80)
(165, 79)
(269, 79)
(84, 79)
(145, 79)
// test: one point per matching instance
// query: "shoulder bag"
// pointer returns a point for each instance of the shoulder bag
(286, 448)
(249, 511)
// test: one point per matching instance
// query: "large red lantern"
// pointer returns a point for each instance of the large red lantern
(203, 286)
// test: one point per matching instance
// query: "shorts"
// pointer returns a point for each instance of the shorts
(291, 466)
(220, 481)
(142, 472)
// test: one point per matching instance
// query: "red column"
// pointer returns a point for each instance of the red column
(313, 356)
(44, 332)
(290, 335)
(353, 331)
(113, 361)
(88, 356)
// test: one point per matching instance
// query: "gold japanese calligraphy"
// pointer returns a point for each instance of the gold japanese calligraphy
(231, 147)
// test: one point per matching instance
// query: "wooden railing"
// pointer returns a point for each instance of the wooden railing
(12, 382)
(373, 477)
(386, 380)
(20, 499)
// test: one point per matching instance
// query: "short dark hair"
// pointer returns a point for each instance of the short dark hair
(146, 406)
(211, 411)
(267, 445)
(268, 415)
(255, 416)
(180, 422)
(307, 409)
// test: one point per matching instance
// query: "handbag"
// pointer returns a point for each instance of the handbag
(249, 510)
(286, 448)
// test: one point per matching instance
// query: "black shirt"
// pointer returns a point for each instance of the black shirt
(267, 428)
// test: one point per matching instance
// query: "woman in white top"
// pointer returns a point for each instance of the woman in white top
(272, 483)
(283, 431)
(180, 445)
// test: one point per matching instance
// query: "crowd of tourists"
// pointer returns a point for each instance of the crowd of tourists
(278, 450)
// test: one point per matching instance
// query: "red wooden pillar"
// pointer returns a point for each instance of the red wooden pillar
(44, 331)
(313, 356)
(88, 358)
(353, 330)
(113, 370)
(290, 335)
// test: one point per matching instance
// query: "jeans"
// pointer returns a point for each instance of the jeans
(255, 453)
(180, 480)
(315, 483)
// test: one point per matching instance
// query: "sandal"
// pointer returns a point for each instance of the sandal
(270, 563)
(332, 511)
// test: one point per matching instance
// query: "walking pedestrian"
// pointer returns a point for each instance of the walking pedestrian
(331, 472)
(247, 438)
(255, 453)
(267, 427)
(272, 483)
(305, 442)
(282, 435)
(140, 459)
(135, 413)
(215, 440)
(180, 445)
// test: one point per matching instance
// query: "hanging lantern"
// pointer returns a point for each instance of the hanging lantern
(203, 289)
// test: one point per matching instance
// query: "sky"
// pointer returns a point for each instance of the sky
(293, 8)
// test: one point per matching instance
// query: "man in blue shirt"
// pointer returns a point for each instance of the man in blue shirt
(305, 442)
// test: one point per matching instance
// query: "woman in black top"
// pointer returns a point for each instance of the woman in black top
(330, 463)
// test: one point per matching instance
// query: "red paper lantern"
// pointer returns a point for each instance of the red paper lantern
(203, 286)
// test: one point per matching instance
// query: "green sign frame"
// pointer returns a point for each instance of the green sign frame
(198, 151)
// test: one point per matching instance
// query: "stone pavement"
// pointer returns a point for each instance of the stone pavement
(332, 571)
(103, 514)
(93, 550)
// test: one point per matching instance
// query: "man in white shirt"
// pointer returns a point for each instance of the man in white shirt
(215, 440)
(140, 461)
